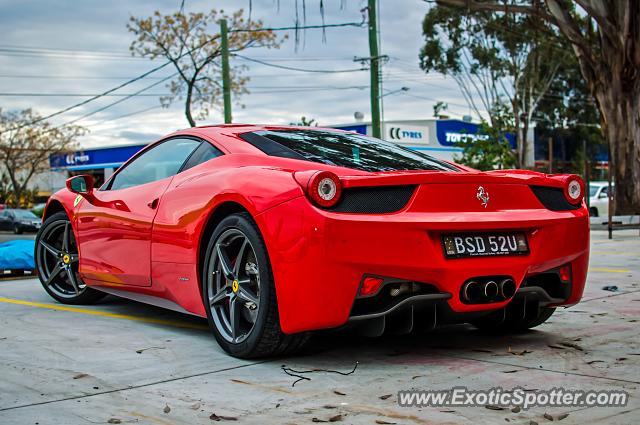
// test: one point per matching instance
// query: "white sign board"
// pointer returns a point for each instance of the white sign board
(406, 134)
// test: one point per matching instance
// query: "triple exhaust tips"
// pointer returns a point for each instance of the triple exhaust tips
(482, 291)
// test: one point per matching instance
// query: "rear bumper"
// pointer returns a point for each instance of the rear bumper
(319, 258)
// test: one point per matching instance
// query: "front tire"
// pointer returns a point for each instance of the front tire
(239, 292)
(56, 255)
(593, 212)
(17, 229)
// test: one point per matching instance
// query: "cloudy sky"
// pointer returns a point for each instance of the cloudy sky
(68, 50)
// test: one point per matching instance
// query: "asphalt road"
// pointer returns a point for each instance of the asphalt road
(124, 362)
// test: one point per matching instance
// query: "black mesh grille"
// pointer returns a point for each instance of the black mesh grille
(553, 198)
(373, 200)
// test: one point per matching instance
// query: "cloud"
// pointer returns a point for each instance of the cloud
(277, 96)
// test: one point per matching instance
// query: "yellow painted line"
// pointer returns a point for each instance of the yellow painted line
(605, 270)
(60, 307)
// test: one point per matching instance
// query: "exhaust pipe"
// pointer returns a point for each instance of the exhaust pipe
(490, 289)
(471, 291)
(507, 288)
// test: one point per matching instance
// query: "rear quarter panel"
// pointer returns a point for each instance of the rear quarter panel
(193, 196)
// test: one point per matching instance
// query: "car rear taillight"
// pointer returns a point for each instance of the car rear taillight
(573, 189)
(370, 286)
(565, 273)
(324, 189)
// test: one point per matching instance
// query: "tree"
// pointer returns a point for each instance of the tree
(25, 147)
(188, 42)
(306, 122)
(438, 108)
(490, 149)
(605, 39)
(495, 59)
(570, 114)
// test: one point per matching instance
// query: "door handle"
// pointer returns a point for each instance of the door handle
(153, 204)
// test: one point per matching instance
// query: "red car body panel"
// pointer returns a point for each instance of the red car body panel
(318, 257)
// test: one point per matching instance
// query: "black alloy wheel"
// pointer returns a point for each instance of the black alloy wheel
(239, 292)
(56, 255)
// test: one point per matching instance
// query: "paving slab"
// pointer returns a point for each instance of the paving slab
(100, 365)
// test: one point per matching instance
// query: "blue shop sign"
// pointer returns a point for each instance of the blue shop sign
(360, 128)
(94, 158)
(451, 132)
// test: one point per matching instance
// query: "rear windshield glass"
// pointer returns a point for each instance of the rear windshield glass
(349, 150)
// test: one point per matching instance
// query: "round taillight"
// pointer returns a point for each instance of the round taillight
(574, 189)
(324, 189)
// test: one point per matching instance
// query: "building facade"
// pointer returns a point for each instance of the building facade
(437, 137)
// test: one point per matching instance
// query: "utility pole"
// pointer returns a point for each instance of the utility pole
(585, 172)
(226, 80)
(374, 69)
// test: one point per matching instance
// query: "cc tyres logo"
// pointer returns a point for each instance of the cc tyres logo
(397, 133)
(482, 196)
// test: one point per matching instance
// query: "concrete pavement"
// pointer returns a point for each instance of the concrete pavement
(124, 362)
(10, 236)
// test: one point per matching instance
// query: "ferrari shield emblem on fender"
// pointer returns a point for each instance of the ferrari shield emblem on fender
(77, 200)
(482, 196)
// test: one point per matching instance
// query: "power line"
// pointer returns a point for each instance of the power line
(91, 99)
(290, 68)
(117, 101)
(125, 115)
(161, 66)
(256, 89)
(13, 48)
(76, 94)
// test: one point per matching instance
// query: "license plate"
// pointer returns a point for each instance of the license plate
(484, 244)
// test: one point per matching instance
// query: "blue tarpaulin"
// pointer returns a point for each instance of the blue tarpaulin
(17, 255)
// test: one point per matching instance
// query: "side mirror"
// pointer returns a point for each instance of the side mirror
(603, 196)
(82, 184)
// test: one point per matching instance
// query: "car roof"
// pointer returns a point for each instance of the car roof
(227, 135)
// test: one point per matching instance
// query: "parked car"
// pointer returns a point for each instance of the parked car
(599, 199)
(271, 232)
(19, 220)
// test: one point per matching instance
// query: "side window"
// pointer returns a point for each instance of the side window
(204, 153)
(161, 161)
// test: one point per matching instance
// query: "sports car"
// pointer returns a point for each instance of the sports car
(272, 232)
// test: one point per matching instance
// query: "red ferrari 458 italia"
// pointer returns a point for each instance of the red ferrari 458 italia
(271, 232)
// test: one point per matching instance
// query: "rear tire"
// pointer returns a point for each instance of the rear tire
(518, 316)
(17, 229)
(56, 256)
(243, 284)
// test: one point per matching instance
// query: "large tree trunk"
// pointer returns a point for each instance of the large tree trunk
(616, 87)
(620, 111)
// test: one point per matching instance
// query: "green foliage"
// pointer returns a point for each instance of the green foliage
(306, 122)
(496, 59)
(439, 107)
(490, 149)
